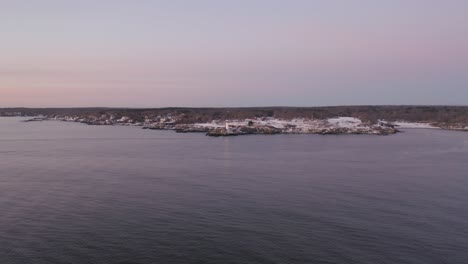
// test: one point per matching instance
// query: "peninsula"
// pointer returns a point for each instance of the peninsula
(374, 120)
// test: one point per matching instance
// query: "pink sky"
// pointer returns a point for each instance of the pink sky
(244, 53)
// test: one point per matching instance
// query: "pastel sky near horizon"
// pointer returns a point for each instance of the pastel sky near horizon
(150, 53)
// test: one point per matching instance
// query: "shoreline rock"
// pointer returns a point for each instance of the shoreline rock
(251, 126)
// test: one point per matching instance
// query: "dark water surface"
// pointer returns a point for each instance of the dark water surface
(71, 193)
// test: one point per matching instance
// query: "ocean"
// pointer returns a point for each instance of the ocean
(73, 193)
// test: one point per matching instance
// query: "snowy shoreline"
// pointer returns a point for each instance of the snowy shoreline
(264, 125)
(255, 125)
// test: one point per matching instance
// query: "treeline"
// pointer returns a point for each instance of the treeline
(448, 115)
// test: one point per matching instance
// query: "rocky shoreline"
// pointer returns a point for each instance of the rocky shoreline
(251, 126)
(217, 122)
(222, 122)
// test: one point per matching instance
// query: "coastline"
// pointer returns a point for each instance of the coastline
(259, 126)
(263, 126)
(221, 122)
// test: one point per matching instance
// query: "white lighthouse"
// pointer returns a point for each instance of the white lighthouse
(227, 127)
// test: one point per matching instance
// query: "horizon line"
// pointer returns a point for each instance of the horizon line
(235, 107)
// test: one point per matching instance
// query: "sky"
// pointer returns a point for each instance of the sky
(214, 53)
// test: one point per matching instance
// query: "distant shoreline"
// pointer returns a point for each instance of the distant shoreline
(372, 120)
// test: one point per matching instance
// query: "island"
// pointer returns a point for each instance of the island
(217, 122)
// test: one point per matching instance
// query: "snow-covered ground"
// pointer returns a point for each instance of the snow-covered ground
(413, 125)
(279, 123)
(213, 124)
(255, 125)
(345, 122)
(296, 125)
